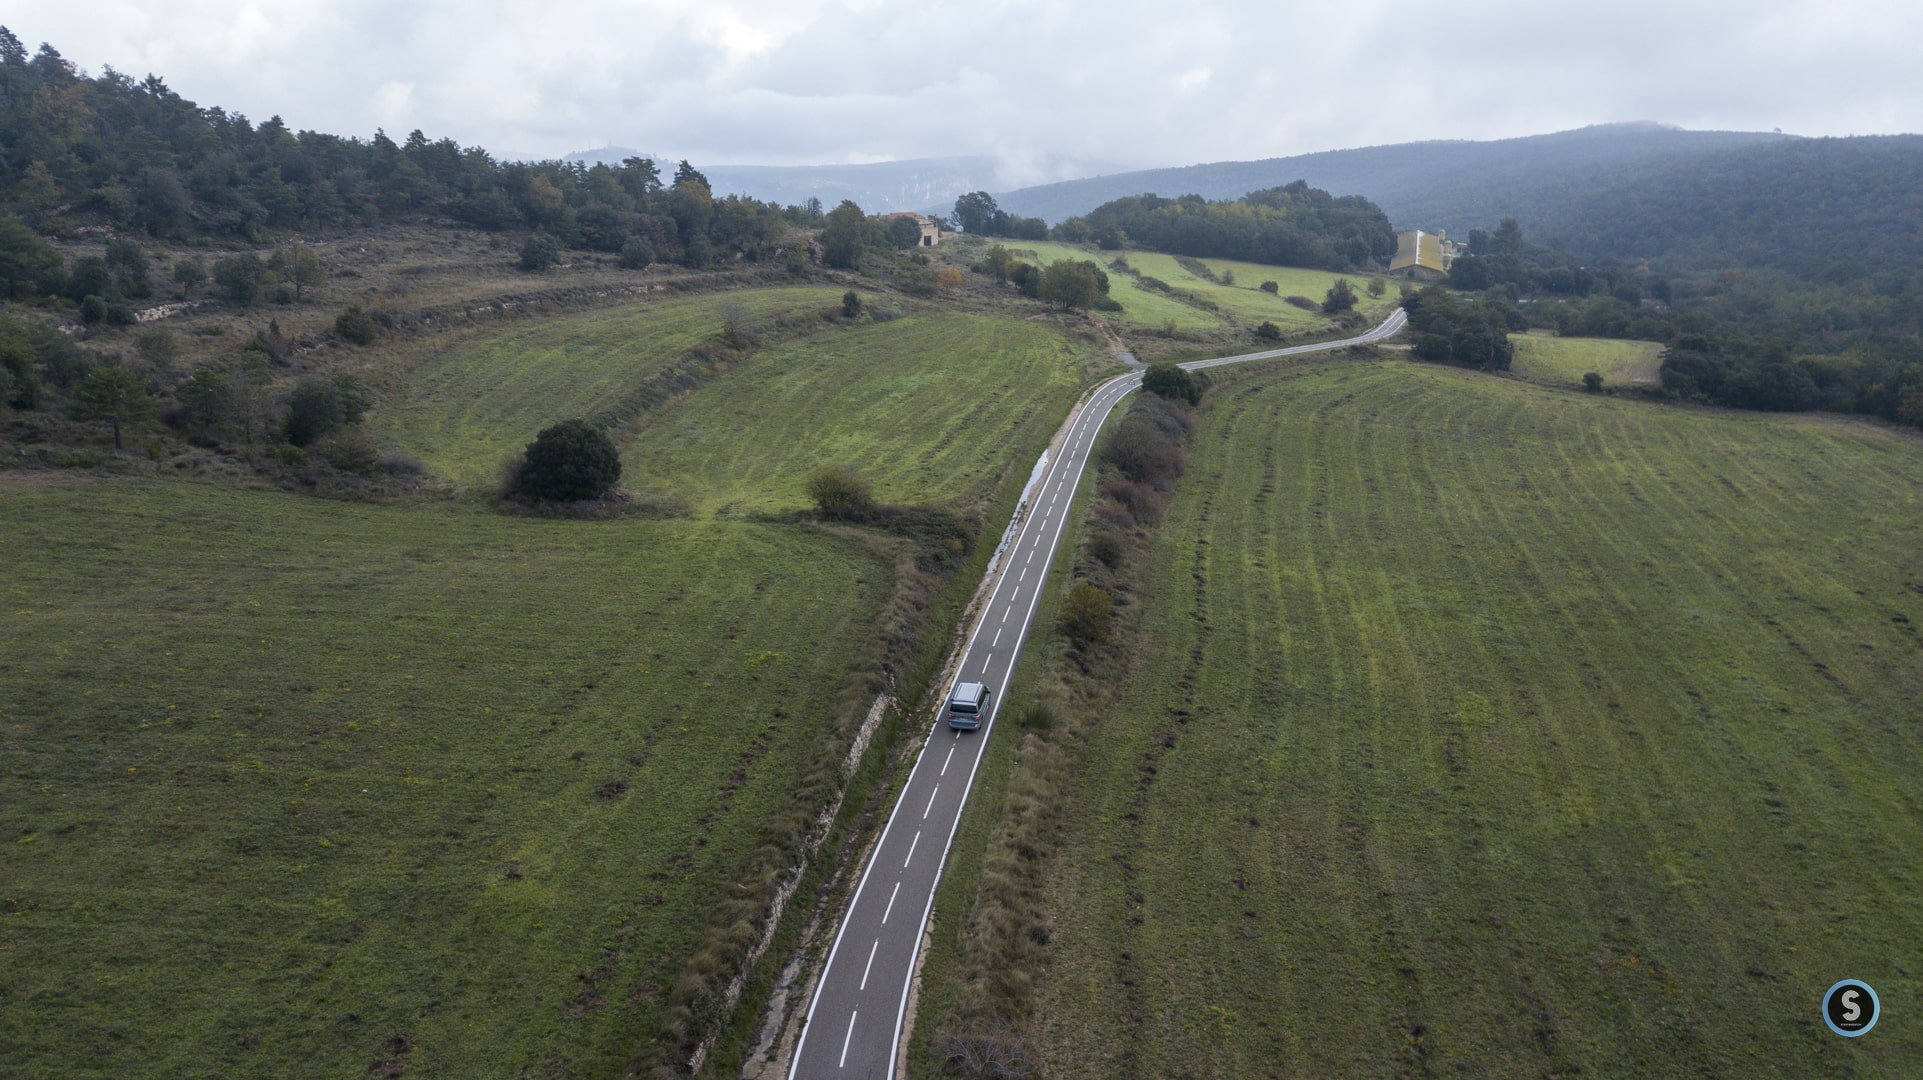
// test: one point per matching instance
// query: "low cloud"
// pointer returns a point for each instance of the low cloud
(1051, 90)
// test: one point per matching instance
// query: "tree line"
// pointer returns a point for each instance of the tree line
(1745, 338)
(136, 156)
(1293, 225)
(1069, 283)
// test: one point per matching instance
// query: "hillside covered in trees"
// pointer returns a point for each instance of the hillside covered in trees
(108, 150)
(1755, 339)
(1293, 225)
(1822, 210)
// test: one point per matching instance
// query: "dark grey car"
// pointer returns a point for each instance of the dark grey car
(967, 705)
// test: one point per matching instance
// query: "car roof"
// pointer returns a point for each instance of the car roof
(969, 690)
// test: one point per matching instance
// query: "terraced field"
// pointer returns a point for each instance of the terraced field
(1482, 728)
(926, 407)
(1246, 300)
(1547, 356)
(1144, 307)
(465, 409)
(302, 788)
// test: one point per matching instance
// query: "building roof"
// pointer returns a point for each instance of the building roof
(1417, 248)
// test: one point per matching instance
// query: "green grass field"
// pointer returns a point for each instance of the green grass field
(1563, 359)
(927, 407)
(1487, 729)
(1145, 307)
(296, 787)
(463, 410)
(1246, 300)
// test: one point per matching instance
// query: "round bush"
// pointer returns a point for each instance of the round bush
(569, 462)
(840, 492)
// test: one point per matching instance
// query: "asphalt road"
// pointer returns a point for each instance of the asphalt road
(854, 1022)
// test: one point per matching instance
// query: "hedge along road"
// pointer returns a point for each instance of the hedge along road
(854, 1023)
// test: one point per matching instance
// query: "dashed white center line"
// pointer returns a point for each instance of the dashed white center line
(870, 964)
(998, 636)
(889, 910)
(931, 802)
(850, 1037)
(1005, 612)
(1031, 557)
(950, 757)
(911, 856)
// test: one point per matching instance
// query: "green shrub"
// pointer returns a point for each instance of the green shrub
(1087, 613)
(356, 325)
(1038, 716)
(636, 254)
(569, 462)
(839, 492)
(1268, 331)
(540, 253)
(320, 406)
(350, 453)
(1105, 547)
(1341, 297)
(1169, 381)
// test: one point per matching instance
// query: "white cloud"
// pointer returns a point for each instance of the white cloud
(1190, 81)
(1050, 89)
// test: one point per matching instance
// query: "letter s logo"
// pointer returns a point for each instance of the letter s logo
(1850, 1008)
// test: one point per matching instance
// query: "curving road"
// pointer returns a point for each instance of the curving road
(854, 1023)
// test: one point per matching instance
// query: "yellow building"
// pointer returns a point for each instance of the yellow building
(1418, 257)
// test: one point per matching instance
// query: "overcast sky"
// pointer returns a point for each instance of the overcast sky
(1053, 88)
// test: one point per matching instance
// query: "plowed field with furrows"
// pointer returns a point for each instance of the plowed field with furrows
(1483, 728)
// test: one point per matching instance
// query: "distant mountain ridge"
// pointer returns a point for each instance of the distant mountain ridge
(1455, 184)
(877, 188)
(1825, 210)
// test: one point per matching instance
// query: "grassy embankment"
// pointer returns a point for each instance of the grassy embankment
(1561, 359)
(1488, 728)
(296, 781)
(926, 406)
(1245, 299)
(464, 409)
(1141, 306)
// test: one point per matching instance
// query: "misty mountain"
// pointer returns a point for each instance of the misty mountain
(1455, 185)
(878, 188)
